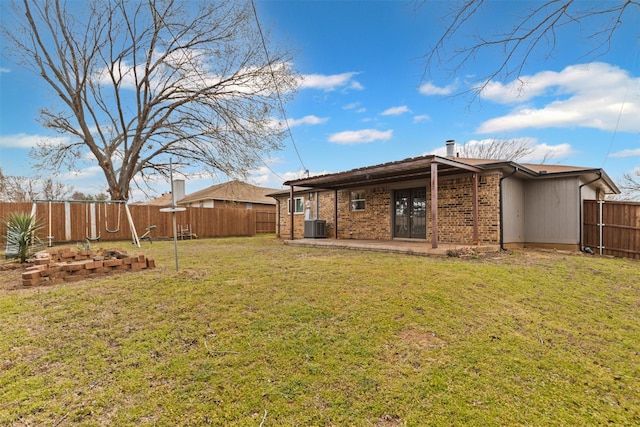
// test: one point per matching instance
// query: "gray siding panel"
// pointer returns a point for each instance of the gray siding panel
(513, 211)
(552, 207)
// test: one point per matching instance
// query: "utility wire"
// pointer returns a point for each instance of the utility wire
(275, 82)
(624, 100)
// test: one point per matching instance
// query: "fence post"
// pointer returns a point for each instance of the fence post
(600, 225)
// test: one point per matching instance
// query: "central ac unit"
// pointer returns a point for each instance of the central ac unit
(315, 228)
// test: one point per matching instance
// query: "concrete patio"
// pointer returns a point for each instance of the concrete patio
(413, 247)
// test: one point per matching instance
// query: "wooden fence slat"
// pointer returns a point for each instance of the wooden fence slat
(620, 228)
(77, 221)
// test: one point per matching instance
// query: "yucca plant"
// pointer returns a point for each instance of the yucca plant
(21, 234)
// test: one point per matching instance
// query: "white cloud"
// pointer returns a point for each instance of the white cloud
(421, 118)
(308, 120)
(360, 136)
(430, 89)
(396, 111)
(23, 140)
(354, 106)
(627, 153)
(595, 95)
(82, 175)
(4, 70)
(331, 82)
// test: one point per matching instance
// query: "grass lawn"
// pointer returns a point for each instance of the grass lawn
(251, 332)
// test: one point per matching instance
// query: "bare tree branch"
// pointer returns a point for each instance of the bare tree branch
(497, 149)
(535, 30)
(140, 82)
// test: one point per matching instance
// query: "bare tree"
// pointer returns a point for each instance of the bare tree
(55, 190)
(630, 185)
(141, 82)
(18, 189)
(536, 29)
(501, 149)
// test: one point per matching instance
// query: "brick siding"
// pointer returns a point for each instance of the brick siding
(455, 212)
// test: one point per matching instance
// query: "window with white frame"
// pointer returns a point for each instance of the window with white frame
(298, 205)
(357, 200)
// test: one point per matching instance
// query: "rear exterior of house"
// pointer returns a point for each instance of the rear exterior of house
(444, 200)
(396, 211)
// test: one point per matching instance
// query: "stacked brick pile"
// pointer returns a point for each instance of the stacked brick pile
(66, 265)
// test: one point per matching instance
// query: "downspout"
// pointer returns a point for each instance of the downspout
(291, 206)
(581, 220)
(278, 218)
(515, 169)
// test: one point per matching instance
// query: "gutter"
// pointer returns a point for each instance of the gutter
(581, 220)
(515, 169)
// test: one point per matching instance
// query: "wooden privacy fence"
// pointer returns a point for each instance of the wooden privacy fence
(612, 228)
(78, 221)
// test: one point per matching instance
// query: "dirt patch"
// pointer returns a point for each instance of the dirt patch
(421, 339)
(10, 276)
(388, 421)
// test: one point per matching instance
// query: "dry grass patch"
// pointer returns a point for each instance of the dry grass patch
(251, 331)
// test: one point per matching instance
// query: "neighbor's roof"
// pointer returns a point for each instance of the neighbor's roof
(162, 201)
(420, 168)
(234, 191)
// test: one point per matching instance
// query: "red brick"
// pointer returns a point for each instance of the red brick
(112, 262)
(82, 272)
(28, 275)
(74, 278)
(138, 266)
(75, 266)
(30, 282)
(90, 265)
(35, 268)
(151, 263)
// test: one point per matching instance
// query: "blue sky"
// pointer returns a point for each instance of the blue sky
(364, 98)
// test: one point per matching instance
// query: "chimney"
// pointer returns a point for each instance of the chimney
(178, 188)
(451, 147)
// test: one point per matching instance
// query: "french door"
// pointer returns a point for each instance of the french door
(410, 213)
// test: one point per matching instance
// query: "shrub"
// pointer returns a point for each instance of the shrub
(21, 234)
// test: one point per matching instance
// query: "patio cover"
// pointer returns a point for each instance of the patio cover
(431, 166)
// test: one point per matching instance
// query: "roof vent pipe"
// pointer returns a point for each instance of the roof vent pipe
(451, 147)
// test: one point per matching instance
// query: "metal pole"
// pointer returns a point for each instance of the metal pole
(173, 214)
(173, 209)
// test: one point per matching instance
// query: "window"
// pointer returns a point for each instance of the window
(248, 205)
(298, 205)
(357, 200)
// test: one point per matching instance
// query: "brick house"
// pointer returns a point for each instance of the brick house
(444, 200)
